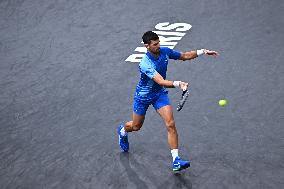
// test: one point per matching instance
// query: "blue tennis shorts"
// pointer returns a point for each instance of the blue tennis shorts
(140, 107)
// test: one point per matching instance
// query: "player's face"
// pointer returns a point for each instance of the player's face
(154, 46)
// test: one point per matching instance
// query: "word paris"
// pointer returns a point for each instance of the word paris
(168, 34)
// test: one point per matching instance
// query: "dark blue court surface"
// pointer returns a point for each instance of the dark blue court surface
(65, 86)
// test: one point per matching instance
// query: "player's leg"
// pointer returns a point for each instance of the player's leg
(135, 124)
(138, 117)
(166, 113)
(163, 107)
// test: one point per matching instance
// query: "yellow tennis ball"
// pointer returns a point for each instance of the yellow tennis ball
(223, 102)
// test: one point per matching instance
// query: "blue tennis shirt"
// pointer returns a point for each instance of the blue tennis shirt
(147, 89)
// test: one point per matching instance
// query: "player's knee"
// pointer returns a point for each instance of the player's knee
(171, 125)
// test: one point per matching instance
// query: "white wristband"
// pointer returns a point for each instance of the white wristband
(200, 52)
(176, 83)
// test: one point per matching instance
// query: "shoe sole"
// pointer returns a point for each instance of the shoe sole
(181, 168)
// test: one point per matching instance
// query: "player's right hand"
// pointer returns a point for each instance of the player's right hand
(183, 85)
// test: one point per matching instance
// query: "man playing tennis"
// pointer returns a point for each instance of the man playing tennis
(151, 91)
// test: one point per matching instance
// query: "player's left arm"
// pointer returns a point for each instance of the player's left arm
(193, 54)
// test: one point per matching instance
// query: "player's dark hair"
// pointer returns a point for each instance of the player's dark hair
(148, 36)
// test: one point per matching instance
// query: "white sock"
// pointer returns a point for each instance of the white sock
(174, 153)
(123, 132)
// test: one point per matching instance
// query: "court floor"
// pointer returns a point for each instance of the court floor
(66, 82)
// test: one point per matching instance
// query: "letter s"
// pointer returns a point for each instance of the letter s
(177, 26)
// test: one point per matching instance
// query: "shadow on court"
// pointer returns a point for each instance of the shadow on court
(134, 169)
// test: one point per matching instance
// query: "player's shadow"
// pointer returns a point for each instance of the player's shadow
(177, 180)
(131, 173)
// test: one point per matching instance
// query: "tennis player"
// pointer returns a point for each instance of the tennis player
(151, 90)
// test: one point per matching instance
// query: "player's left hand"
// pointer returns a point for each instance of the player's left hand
(211, 53)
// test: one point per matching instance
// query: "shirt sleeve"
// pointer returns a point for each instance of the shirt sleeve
(173, 54)
(148, 69)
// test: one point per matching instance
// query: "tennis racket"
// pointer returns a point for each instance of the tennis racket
(183, 99)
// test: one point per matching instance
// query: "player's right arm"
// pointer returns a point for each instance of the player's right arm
(169, 84)
(147, 68)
